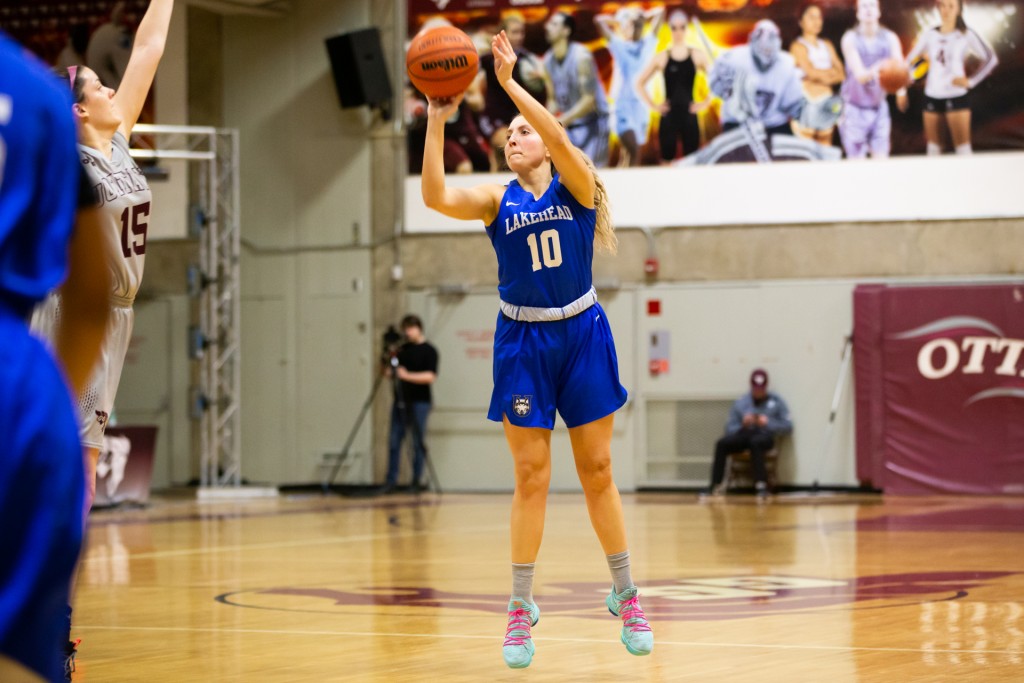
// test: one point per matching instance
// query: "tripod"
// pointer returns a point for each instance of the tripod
(342, 458)
(413, 426)
(844, 365)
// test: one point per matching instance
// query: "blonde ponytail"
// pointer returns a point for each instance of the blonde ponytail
(604, 232)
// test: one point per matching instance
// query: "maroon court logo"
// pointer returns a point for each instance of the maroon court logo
(689, 599)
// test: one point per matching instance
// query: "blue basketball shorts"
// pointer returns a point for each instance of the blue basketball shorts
(564, 365)
(42, 485)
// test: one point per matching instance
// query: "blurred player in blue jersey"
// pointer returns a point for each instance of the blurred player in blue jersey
(553, 347)
(41, 471)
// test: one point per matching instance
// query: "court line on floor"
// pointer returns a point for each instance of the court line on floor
(323, 540)
(450, 636)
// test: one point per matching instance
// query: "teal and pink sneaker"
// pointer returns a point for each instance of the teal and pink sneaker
(518, 647)
(636, 632)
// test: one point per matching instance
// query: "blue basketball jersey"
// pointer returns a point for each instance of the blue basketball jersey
(545, 246)
(42, 480)
(38, 173)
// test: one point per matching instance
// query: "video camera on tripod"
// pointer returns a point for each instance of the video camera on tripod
(391, 342)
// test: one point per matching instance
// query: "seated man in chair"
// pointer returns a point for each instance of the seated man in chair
(755, 420)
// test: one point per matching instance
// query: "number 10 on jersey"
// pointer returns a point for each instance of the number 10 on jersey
(547, 249)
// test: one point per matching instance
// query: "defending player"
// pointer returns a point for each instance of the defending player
(553, 348)
(105, 121)
(947, 86)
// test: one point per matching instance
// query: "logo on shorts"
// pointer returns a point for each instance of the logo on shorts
(521, 405)
(101, 418)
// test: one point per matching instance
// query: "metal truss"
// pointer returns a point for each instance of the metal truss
(214, 284)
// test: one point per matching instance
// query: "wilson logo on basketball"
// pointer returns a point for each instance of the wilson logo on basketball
(448, 64)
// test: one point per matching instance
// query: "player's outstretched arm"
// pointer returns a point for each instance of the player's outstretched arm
(464, 203)
(146, 53)
(576, 176)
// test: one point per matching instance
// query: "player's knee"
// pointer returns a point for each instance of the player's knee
(595, 473)
(532, 477)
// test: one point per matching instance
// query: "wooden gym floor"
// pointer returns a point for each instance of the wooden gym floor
(402, 588)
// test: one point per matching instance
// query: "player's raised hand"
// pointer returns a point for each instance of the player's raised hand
(442, 109)
(504, 57)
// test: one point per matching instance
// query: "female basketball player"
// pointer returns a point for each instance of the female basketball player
(553, 348)
(946, 87)
(817, 58)
(105, 121)
(678, 64)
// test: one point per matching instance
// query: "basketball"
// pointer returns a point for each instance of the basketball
(441, 62)
(893, 75)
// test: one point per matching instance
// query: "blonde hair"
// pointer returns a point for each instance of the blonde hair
(604, 232)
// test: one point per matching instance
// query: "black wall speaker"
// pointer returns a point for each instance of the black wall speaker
(360, 74)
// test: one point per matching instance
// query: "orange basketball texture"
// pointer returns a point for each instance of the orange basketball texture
(441, 62)
(893, 75)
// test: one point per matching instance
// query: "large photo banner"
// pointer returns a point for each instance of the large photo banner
(939, 376)
(713, 81)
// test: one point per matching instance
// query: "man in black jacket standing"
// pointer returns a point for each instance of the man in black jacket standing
(415, 367)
